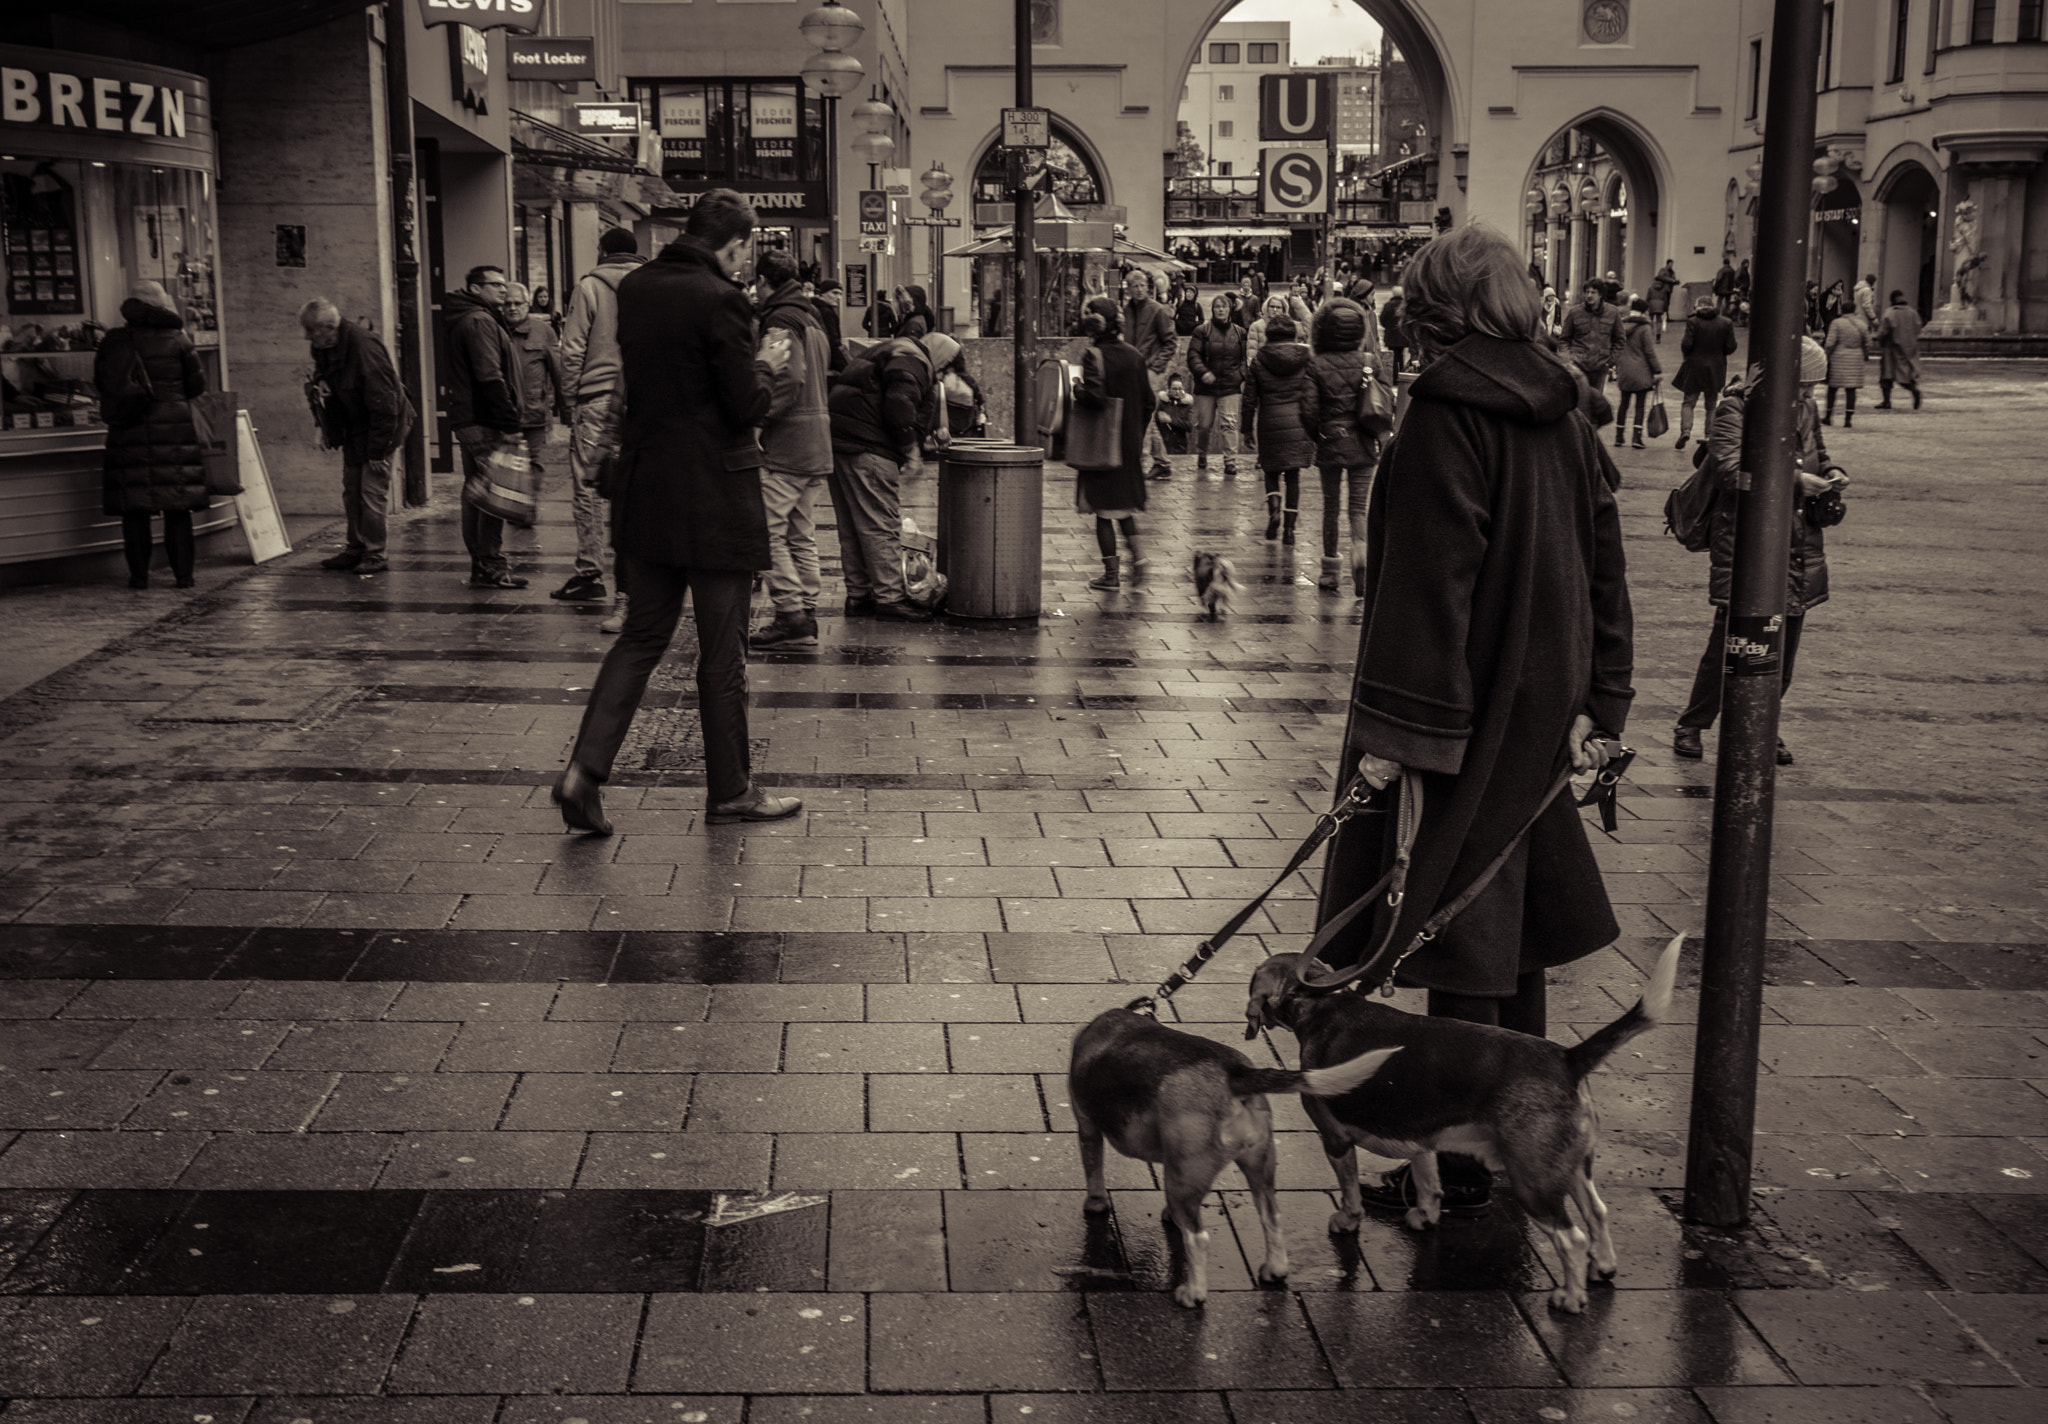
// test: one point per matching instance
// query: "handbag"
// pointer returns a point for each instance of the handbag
(1660, 419)
(1375, 404)
(1095, 435)
(506, 484)
(213, 422)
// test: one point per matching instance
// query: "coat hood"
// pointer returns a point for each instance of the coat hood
(789, 302)
(1515, 380)
(462, 303)
(1339, 326)
(137, 312)
(941, 348)
(1283, 358)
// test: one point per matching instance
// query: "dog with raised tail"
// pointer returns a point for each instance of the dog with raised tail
(1193, 1106)
(1520, 1104)
(1216, 585)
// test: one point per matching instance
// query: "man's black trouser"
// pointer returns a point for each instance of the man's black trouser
(654, 605)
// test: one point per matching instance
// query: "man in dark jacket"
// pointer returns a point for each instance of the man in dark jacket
(686, 514)
(483, 386)
(796, 449)
(365, 415)
(882, 409)
(1216, 354)
(1148, 327)
(1592, 330)
(1708, 342)
(1390, 329)
(1724, 288)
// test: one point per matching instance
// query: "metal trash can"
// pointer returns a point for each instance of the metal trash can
(991, 502)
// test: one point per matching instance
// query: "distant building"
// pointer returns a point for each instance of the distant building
(1358, 89)
(1220, 101)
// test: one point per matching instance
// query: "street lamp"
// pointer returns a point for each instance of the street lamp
(832, 74)
(936, 196)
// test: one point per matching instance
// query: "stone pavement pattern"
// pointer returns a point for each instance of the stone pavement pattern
(336, 1084)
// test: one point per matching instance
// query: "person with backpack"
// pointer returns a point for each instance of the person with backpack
(1704, 349)
(1283, 404)
(590, 370)
(884, 405)
(147, 374)
(1216, 360)
(796, 453)
(1345, 357)
(1816, 506)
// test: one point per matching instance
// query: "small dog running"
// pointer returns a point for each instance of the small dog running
(1192, 1105)
(1216, 585)
(1519, 1104)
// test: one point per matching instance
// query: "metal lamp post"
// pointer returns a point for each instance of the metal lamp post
(832, 74)
(936, 196)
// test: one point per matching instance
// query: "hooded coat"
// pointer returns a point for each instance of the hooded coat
(882, 403)
(689, 483)
(1111, 368)
(1496, 611)
(1283, 405)
(1340, 333)
(1636, 367)
(1806, 572)
(590, 331)
(796, 434)
(1218, 349)
(153, 465)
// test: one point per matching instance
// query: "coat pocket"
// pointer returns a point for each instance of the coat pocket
(744, 457)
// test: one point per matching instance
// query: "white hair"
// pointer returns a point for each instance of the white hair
(318, 309)
(517, 292)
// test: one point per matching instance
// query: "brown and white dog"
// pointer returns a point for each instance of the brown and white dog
(1216, 585)
(1519, 1104)
(1192, 1105)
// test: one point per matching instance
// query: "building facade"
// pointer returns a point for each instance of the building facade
(1220, 100)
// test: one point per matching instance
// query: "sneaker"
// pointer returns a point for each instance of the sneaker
(1230, 469)
(373, 566)
(1161, 470)
(344, 560)
(1683, 441)
(794, 630)
(1784, 753)
(582, 588)
(1395, 1191)
(902, 613)
(504, 578)
(1685, 742)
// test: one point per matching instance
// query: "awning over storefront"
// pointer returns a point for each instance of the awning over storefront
(1175, 234)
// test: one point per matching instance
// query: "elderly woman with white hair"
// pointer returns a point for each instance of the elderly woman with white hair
(147, 374)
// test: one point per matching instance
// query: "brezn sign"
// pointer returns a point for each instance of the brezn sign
(481, 14)
(1296, 108)
(1294, 181)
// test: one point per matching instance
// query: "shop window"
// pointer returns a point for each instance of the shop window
(1262, 54)
(75, 237)
(765, 132)
(691, 121)
(1222, 54)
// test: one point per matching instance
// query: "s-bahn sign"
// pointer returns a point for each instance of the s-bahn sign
(1296, 108)
(1294, 182)
(482, 14)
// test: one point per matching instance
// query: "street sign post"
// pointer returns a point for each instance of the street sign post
(1296, 108)
(874, 213)
(1027, 128)
(1294, 182)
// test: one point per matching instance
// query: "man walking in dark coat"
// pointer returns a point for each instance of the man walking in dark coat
(687, 515)
(483, 383)
(1592, 331)
(364, 414)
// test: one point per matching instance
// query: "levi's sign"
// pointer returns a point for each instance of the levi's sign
(561, 60)
(481, 14)
(50, 99)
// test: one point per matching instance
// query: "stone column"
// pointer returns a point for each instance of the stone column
(1994, 165)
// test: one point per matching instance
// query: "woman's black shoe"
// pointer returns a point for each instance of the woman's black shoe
(1395, 1191)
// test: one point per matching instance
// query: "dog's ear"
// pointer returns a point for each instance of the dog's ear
(1269, 989)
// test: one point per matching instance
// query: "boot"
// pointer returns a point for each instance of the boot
(1620, 437)
(1229, 468)
(1848, 420)
(1638, 440)
(1287, 537)
(1330, 581)
(1272, 515)
(789, 630)
(1108, 579)
(1915, 389)
(1140, 565)
(1684, 440)
(1358, 571)
(1201, 464)
(1886, 388)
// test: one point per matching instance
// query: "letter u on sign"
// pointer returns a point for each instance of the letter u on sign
(1294, 107)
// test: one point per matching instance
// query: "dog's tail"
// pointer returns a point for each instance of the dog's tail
(1316, 1082)
(1582, 1058)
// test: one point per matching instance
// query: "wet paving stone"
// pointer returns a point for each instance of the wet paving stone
(44, 1100)
(519, 1344)
(1641, 1406)
(1833, 1339)
(1249, 1340)
(1353, 1406)
(371, 1409)
(254, 1243)
(888, 1241)
(82, 1344)
(281, 1344)
(285, 1161)
(98, 1159)
(866, 1409)
(444, 1160)
(616, 1409)
(1410, 1339)
(1958, 1243)
(1785, 1405)
(1653, 1338)
(1012, 1342)
(130, 1411)
(680, 1161)
(767, 1344)
(989, 1102)
(409, 1102)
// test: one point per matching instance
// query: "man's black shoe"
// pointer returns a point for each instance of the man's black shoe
(344, 560)
(506, 579)
(582, 588)
(372, 566)
(795, 630)
(1784, 753)
(1396, 1192)
(860, 608)
(903, 613)
(1685, 742)
(576, 792)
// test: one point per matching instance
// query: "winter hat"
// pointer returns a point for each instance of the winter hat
(1813, 362)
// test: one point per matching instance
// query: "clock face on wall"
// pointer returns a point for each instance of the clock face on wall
(1606, 21)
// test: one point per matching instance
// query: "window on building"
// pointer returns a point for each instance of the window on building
(2030, 19)
(1262, 54)
(1756, 76)
(1222, 54)
(1902, 13)
(1983, 20)
(1223, 169)
(1827, 47)
(1226, 93)
(1935, 33)
(1226, 128)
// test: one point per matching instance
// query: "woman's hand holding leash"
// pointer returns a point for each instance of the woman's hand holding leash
(1590, 748)
(1379, 773)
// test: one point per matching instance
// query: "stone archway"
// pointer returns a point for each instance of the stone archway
(1908, 205)
(1597, 157)
(1837, 237)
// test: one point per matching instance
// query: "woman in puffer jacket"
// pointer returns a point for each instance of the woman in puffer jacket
(154, 465)
(1282, 403)
(1342, 338)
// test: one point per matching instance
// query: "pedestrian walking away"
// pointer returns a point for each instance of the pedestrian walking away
(1494, 653)
(590, 369)
(1816, 507)
(1865, 300)
(1112, 369)
(1282, 404)
(1345, 357)
(883, 405)
(1637, 372)
(148, 372)
(1848, 346)
(363, 412)
(1661, 288)
(1216, 359)
(688, 515)
(483, 407)
(1898, 350)
(1704, 349)
(1148, 330)
(1724, 288)
(1591, 334)
(796, 452)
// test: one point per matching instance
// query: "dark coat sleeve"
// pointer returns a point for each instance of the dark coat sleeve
(1198, 349)
(494, 373)
(192, 373)
(383, 398)
(1612, 687)
(741, 386)
(904, 388)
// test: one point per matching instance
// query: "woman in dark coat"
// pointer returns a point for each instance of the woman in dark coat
(1345, 455)
(1495, 655)
(1112, 369)
(1704, 350)
(154, 466)
(1283, 407)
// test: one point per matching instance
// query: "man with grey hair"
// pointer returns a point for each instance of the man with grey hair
(362, 412)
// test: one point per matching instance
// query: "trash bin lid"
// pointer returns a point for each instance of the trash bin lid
(992, 452)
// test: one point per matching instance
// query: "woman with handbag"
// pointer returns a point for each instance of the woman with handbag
(1106, 441)
(1346, 451)
(148, 374)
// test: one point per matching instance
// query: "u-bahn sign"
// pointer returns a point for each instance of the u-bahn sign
(1294, 182)
(482, 14)
(1296, 108)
